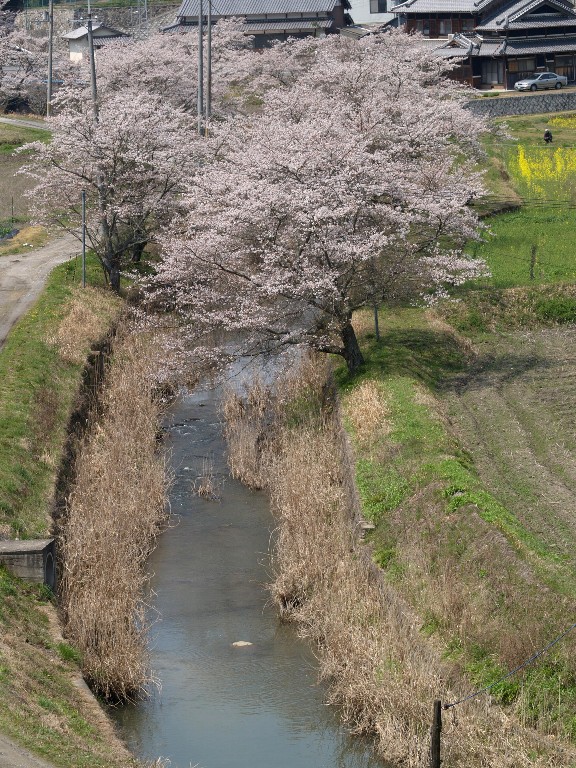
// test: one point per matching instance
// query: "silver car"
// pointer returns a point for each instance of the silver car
(540, 80)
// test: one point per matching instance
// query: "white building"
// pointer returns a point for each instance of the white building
(78, 39)
(371, 11)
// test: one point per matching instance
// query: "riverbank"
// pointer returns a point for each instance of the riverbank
(115, 507)
(44, 705)
(378, 648)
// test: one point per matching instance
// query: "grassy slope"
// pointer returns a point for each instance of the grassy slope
(41, 705)
(472, 481)
(38, 390)
(41, 369)
(13, 188)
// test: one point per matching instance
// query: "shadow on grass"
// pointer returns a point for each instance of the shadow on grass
(426, 355)
(439, 361)
(497, 371)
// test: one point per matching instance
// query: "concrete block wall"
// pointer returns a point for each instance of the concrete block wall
(529, 104)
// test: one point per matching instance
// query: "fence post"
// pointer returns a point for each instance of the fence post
(435, 735)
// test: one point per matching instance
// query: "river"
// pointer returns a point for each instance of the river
(219, 705)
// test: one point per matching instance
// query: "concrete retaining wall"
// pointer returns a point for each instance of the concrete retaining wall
(529, 104)
(126, 19)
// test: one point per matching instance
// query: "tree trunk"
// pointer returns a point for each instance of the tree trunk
(137, 251)
(352, 354)
(115, 278)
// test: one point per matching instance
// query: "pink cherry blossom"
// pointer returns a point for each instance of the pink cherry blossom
(349, 186)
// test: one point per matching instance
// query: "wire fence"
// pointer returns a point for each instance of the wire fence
(512, 672)
(13, 209)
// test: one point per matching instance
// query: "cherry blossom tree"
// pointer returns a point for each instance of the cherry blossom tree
(167, 65)
(133, 159)
(22, 67)
(132, 163)
(350, 186)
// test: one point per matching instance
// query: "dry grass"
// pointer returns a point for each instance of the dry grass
(368, 412)
(26, 239)
(245, 431)
(115, 510)
(82, 323)
(207, 486)
(383, 672)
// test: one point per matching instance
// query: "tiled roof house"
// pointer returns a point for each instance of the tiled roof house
(271, 20)
(499, 41)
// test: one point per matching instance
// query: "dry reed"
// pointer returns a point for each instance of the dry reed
(207, 486)
(114, 512)
(368, 413)
(245, 428)
(382, 671)
(88, 314)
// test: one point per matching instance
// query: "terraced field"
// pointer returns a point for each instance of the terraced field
(515, 411)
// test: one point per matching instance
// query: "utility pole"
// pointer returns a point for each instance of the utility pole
(200, 67)
(50, 57)
(92, 64)
(208, 67)
(83, 238)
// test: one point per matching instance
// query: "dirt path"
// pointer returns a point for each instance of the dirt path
(12, 756)
(23, 275)
(27, 122)
(516, 413)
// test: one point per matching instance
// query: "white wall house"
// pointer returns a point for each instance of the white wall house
(371, 11)
(78, 39)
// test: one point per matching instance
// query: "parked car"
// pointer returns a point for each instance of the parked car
(540, 80)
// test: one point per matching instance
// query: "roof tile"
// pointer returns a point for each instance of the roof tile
(257, 7)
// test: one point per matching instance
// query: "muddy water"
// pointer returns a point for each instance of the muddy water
(220, 706)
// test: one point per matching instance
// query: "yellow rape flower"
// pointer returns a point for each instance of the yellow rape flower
(545, 173)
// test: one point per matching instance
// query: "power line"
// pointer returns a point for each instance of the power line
(512, 672)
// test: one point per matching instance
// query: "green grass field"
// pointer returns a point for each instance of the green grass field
(532, 245)
(13, 203)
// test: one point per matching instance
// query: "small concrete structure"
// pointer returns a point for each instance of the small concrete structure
(33, 560)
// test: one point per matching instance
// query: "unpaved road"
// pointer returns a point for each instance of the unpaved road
(27, 123)
(23, 275)
(12, 756)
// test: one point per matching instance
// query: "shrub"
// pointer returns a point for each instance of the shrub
(557, 309)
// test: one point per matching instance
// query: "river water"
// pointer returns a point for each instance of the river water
(221, 706)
